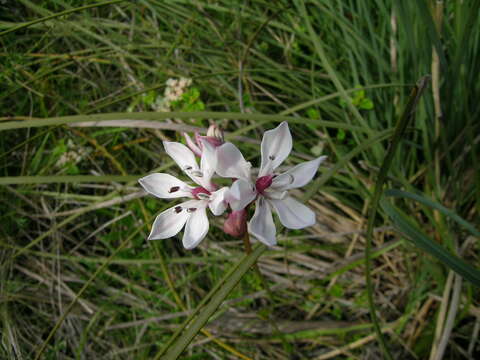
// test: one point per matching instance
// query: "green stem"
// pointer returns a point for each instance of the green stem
(177, 343)
(382, 176)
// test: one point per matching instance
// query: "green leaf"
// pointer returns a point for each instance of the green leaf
(336, 291)
(313, 113)
(434, 205)
(204, 311)
(358, 97)
(410, 230)
(149, 98)
(366, 104)
(60, 148)
(341, 134)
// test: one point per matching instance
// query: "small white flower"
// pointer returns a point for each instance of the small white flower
(192, 213)
(269, 189)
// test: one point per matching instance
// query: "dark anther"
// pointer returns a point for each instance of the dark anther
(178, 209)
(174, 189)
(271, 157)
(190, 210)
(188, 167)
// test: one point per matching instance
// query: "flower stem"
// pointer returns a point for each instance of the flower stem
(248, 245)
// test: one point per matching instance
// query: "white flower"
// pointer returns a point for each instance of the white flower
(269, 189)
(192, 212)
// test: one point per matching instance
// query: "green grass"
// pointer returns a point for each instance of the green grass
(78, 280)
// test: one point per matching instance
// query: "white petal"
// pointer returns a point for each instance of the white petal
(207, 164)
(196, 228)
(261, 225)
(275, 194)
(231, 163)
(293, 214)
(217, 202)
(185, 159)
(241, 193)
(165, 186)
(297, 176)
(276, 145)
(171, 221)
(182, 155)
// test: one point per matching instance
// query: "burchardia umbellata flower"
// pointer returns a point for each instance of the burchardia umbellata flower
(269, 190)
(192, 213)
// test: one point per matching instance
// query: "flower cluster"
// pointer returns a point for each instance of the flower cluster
(174, 90)
(269, 190)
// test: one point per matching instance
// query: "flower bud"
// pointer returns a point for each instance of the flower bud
(214, 138)
(193, 144)
(236, 223)
(214, 131)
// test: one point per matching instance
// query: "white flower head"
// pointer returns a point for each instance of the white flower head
(192, 213)
(270, 189)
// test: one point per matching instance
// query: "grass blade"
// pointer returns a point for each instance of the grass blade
(66, 179)
(174, 348)
(382, 177)
(434, 205)
(156, 116)
(405, 226)
(62, 13)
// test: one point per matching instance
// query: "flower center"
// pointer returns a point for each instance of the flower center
(200, 193)
(263, 183)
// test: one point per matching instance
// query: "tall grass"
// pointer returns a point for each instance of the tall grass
(79, 280)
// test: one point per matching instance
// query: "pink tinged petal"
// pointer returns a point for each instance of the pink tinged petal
(276, 146)
(196, 228)
(231, 163)
(236, 223)
(217, 202)
(191, 144)
(212, 140)
(297, 176)
(241, 194)
(261, 225)
(170, 222)
(293, 214)
(165, 186)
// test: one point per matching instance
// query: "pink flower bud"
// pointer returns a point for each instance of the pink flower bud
(215, 142)
(214, 137)
(214, 131)
(236, 223)
(191, 144)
